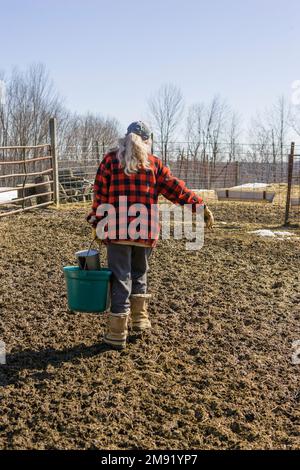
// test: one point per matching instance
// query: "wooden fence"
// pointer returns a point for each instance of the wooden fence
(30, 173)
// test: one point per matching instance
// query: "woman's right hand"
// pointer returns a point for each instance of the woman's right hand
(91, 219)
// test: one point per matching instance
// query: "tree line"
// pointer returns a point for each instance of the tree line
(207, 131)
(27, 101)
(214, 131)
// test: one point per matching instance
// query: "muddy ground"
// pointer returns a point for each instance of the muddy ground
(216, 373)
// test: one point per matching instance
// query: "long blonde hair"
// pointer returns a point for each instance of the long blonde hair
(133, 153)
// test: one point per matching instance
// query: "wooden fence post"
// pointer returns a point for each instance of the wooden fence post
(237, 173)
(290, 180)
(52, 130)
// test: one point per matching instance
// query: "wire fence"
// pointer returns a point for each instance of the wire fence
(230, 172)
(202, 166)
(208, 168)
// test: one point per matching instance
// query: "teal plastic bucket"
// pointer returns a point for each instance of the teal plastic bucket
(87, 291)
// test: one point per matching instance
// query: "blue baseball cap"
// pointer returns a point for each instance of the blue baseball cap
(139, 128)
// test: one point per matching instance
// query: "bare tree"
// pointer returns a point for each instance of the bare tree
(218, 111)
(88, 136)
(195, 125)
(279, 123)
(269, 133)
(233, 136)
(31, 101)
(3, 113)
(206, 128)
(166, 108)
(295, 120)
(260, 141)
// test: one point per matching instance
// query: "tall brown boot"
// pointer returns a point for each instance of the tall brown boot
(139, 314)
(117, 330)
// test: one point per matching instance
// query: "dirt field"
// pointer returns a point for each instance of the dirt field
(216, 373)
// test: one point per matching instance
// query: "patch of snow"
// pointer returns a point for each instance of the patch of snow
(250, 186)
(263, 233)
(280, 235)
(284, 233)
(203, 190)
(7, 196)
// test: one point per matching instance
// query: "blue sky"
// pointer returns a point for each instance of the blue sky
(110, 56)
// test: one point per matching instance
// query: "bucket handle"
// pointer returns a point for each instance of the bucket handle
(89, 249)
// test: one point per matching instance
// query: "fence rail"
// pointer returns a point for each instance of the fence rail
(21, 162)
(31, 176)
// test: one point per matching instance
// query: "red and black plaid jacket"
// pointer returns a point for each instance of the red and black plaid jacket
(144, 188)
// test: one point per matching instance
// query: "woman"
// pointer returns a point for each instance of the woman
(129, 176)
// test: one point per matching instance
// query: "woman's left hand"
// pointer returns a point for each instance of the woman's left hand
(208, 218)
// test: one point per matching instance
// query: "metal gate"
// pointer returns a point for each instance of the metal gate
(29, 176)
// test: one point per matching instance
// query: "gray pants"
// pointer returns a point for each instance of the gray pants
(129, 265)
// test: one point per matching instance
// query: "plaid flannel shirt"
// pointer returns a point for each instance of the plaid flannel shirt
(144, 188)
